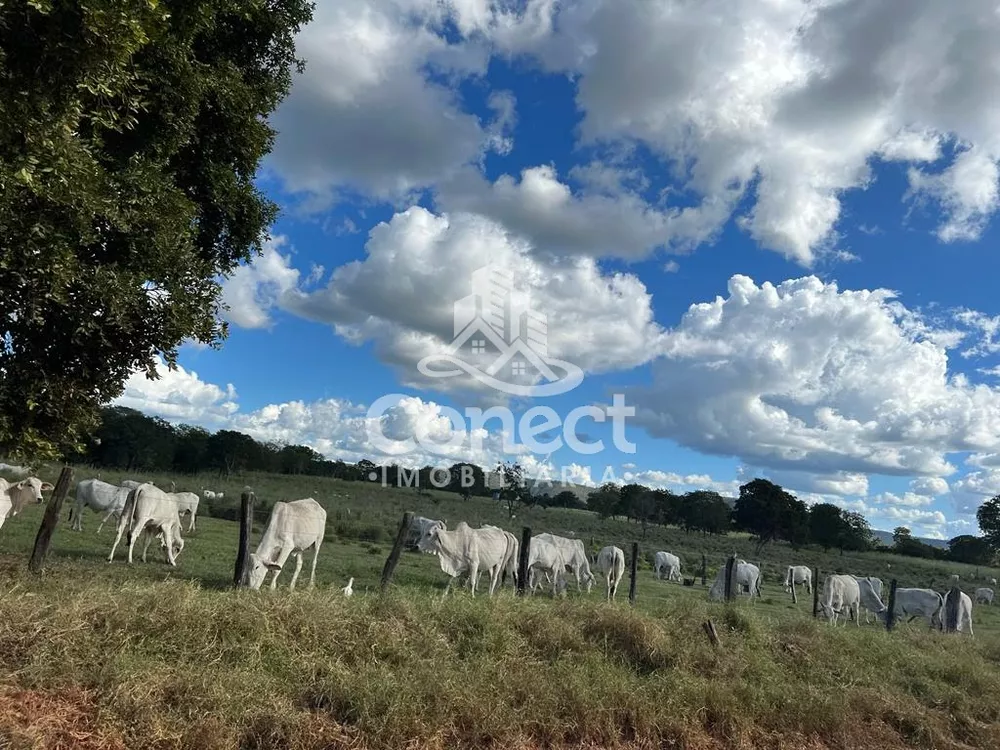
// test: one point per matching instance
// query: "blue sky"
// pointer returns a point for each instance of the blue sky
(769, 226)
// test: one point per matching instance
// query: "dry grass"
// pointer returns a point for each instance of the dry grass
(168, 665)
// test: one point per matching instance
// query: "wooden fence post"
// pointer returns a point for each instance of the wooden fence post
(951, 609)
(815, 592)
(50, 520)
(397, 548)
(632, 573)
(704, 569)
(890, 615)
(729, 579)
(522, 561)
(241, 576)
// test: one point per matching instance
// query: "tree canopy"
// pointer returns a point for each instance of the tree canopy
(130, 135)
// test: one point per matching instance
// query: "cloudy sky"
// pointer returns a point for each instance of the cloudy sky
(768, 224)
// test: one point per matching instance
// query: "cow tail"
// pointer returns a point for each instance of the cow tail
(128, 512)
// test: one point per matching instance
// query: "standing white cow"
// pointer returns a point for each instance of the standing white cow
(984, 595)
(993, 581)
(665, 562)
(611, 564)
(187, 502)
(466, 550)
(575, 555)
(964, 611)
(15, 495)
(840, 592)
(101, 497)
(292, 529)
(913, 603)
(747, 575)
(149, 510)
(545, 556)
(797, 575)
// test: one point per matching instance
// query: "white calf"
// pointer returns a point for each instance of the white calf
(669, 563)
(611, 564)
(149, 509)
(292, 529)
(798, 574)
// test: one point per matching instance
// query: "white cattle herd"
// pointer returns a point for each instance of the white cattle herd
(142, 509)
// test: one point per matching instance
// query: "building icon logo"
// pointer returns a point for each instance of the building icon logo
(502, 342)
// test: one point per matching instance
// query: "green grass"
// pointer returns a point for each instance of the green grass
(105, 655)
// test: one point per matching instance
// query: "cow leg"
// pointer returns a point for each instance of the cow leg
(298, 569)
(191, 525)
(104, 520)
(145, 548)
(474, 576)
(121, 530)
(139, 527)
(312, 572)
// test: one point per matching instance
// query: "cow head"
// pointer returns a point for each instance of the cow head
(258, 570)
(428, 540)
(26, 492)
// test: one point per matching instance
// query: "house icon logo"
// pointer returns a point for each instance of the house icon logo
(501, 341)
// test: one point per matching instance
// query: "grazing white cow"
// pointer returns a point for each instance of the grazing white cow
(467, 550)
(101, 497)
(747, 575)
(208, 494)
(187, 502)
(292, 529)
(669, 563)
(913, 603)
(984, 595)
(15, 495)
(964, 612)
(575, 555)
(149, 510)
(798, 574)
(611, 564)
(17, 471)
(841, 592)
(509, 568)
(876, 586)
(993, 581)
(545, 556)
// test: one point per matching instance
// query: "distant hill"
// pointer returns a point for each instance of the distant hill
(886, 538)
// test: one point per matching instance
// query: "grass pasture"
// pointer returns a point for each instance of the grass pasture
(98, 655)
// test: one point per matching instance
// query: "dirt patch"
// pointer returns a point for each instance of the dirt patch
(53, 720)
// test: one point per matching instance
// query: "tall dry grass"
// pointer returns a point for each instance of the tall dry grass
(89, 664)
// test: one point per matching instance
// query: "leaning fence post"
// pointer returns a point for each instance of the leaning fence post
(241, 576)
(522, 561)
(704, 569)
(951, 608)
(815, 592)
(632, 573)
(890, 615)
(50, 520)
(729, 579)
(397, 548)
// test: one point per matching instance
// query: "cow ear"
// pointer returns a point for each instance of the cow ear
(272, 566)
(46, 487)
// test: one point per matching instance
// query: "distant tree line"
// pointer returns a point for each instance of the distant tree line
(130, 440)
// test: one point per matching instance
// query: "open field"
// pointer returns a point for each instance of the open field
(94, 655)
